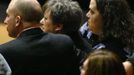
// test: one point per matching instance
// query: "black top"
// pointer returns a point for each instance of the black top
(110, 43)
(82, 46)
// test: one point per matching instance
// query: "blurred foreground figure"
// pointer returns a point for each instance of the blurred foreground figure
(102, 62)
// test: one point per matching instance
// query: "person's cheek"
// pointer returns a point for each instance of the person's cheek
(91, 23)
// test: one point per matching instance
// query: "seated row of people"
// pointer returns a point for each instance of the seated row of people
(57, 47)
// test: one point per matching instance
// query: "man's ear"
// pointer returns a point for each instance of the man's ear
(18, 20)
(58, 27)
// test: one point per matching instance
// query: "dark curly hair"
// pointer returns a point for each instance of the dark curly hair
(118, 21)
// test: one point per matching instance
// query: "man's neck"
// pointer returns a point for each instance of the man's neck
(27, 26)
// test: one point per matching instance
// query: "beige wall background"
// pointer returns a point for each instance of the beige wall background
(4, 34)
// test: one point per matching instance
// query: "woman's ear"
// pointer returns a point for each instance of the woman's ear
(58, 28)
(18, 21)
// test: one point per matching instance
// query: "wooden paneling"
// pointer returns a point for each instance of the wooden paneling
(4, 34)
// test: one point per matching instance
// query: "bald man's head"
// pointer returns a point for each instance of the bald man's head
(28, 10)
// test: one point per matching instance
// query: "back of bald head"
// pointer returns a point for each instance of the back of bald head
(29, 10)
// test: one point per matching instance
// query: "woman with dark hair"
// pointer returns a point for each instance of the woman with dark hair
(102, 62)
(64, 17)
(113, 24)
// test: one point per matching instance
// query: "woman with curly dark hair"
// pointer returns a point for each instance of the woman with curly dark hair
(113, 24)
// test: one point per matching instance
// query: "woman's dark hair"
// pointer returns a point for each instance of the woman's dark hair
(104, 62)
(118, 21)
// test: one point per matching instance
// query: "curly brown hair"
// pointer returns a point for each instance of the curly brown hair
(118, 21)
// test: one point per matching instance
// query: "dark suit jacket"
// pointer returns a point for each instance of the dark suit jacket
(37, 53)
